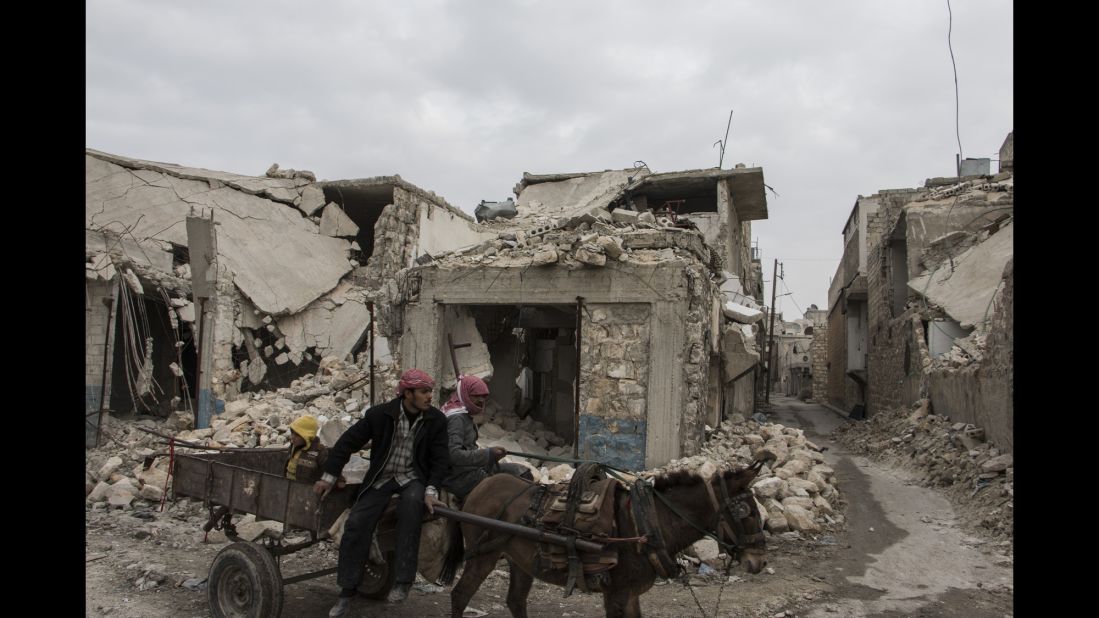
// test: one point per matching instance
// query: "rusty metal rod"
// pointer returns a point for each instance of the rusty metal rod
(532, 534)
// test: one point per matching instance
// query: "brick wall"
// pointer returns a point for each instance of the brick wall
(95, 340)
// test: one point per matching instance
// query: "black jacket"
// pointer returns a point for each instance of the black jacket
(430, 458)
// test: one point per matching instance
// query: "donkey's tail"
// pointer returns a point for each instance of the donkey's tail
(454, 554)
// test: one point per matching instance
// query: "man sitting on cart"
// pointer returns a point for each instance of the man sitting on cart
(307, 454)
(408, 456)
(470, 464)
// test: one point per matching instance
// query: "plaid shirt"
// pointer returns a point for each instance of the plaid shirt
(399, 466)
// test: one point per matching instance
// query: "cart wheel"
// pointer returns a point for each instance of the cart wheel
(378, 578)
(245, 582)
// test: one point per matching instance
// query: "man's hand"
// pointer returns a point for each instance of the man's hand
(321, 487)
(498, 452)
(430, 500)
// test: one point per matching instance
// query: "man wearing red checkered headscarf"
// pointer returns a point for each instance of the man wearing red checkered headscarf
(408, 457)
(469, 463)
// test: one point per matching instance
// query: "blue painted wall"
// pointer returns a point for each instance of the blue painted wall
(614, 441)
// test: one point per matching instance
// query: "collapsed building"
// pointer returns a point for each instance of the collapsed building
(921, 306)
(620, 310)
(202, 285)
(621, 302)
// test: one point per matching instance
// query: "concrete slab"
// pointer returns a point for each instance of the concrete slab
(337, 224)
(966, 292)
(572, 196)
(277, 258)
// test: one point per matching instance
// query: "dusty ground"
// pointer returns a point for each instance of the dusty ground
(904, 553)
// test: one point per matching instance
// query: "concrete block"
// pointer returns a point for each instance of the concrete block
(99, 493)
(801, 519)
(335, 223)
(620, 215)
(109, 468)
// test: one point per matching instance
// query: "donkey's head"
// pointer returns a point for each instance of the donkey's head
(739, 522)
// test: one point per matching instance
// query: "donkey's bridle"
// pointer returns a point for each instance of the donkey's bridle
(732, 511)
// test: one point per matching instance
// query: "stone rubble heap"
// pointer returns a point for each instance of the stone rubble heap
(964, 352)
(592, 239)
(978, 477)
(795, 492)
(114, 471)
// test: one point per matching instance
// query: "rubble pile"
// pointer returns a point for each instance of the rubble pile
(115, 473)
(795, 492)
(499, 428)
(977, 476)
(964, 352)
(591, 239)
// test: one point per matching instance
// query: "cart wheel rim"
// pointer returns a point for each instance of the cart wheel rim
(236, 591)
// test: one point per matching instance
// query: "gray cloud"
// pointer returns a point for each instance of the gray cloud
(832, 99)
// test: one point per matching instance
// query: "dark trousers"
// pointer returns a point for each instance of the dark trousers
(359, 531)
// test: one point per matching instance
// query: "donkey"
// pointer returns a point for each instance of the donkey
(722, 505)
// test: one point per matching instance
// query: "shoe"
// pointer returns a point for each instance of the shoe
(343, 604)
(398, 593)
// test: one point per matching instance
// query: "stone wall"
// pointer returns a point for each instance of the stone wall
(696, 357)
(819, 353)
(395, 234)
(614, 375)
(983, 392)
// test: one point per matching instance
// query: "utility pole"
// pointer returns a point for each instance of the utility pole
(771, 333)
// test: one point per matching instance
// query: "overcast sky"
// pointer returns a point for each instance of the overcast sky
(831, 99)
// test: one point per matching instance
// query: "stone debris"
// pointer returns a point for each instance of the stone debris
(976, 475)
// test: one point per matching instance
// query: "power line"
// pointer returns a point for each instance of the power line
(957, 125)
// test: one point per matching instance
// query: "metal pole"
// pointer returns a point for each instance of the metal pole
(533, 534)
(371, 305)
(106, 347)
(771, 333)
(576, 405)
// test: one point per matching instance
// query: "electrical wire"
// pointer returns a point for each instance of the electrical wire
(957, 125)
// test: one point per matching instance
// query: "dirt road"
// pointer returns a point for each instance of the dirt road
(902, 554)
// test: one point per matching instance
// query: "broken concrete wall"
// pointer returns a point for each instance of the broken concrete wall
(442, 231)
(932, 220)
(474, 359)
(741, 360)
(254, 215)
(982, 393)
(964, 288)
(614, 370)
(659, 284)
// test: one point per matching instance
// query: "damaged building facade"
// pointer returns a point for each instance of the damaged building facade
(617, 308)
(202, 285)
(927, 311)
(620, 309)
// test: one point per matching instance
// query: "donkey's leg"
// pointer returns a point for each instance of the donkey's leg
(476, 570)
(633, 606)
(617, 603)
(518, 588)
